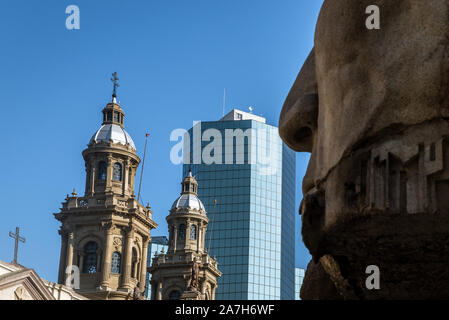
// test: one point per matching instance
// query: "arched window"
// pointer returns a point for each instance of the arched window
(134, 263)
(193, 232)
(102, 166)
(174, 295)
(90, 257)
(115, 262)
(182, 232)
(117, 174)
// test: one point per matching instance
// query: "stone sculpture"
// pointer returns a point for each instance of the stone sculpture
(195, 275)
(372, 108)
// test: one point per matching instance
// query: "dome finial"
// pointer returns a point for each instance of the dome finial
(114, 80)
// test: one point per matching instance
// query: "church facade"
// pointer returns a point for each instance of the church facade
(20, 283)
(185, 271)
(105, 232)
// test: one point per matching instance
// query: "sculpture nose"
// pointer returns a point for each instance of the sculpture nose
(298, 120)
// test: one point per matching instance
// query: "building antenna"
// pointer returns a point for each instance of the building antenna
(212, 225)
(190, 162)
(143, 164)
(224, 101)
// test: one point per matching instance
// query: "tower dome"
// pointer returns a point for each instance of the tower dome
(189, 197)
(188, 201)
(112, 133)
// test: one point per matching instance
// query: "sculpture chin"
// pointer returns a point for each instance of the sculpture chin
(384, 204)
(372, 107)
(411, 252)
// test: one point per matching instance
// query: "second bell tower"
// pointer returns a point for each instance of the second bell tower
(186, 271)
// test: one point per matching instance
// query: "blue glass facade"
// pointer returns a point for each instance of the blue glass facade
(156, 245)
(288, 222)
(299, 276)
(251, 228)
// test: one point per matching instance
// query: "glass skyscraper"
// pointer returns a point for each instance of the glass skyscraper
(249, 196)
(156, 245)
(299, 277)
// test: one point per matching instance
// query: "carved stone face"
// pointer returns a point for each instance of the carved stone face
(368, 105)
(358, 83)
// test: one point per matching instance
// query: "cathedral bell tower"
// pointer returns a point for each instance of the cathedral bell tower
(186, 271)
(105, 233)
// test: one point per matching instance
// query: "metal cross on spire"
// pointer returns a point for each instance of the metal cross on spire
(114, 80)
(16, 236)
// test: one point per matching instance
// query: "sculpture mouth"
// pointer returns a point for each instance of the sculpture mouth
(307, 189)
(403, 246)
(308, 184)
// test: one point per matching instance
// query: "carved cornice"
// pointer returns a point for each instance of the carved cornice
(103, 148)
(129, 231)
(108, 226)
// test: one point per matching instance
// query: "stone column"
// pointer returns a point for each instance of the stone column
(88, 173)
(175, 236)
(143, 264)
(62, 257)
(125, 173)
(132, 179)
(107, 255)
(69, 258)
(187, 239)
(126, 276)
(153, 290)
(198, 236)
(92, 179)
(186, 234)
(203, 287)
(109, 174)
(159, 291)
(203, 238)
(213, 292)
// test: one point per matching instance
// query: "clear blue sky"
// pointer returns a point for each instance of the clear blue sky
(173, 58)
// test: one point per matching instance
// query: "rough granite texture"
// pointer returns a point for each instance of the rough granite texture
(372, 106)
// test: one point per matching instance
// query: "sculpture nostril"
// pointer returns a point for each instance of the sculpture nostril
(301, 139)
(302, 134)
